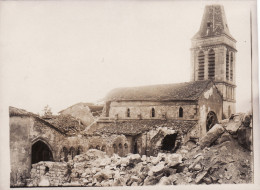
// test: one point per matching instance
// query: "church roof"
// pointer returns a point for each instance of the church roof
(135, 127)
(163, 92)
(213, 23)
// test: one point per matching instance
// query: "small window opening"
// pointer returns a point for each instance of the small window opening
(180, 112)
(208, 24)
(115, 148)
(153, 112)
(128, 112)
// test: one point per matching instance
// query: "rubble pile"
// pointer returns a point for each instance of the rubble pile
(218, 158)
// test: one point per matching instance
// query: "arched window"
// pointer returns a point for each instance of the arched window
(231, 67)
(120, 152)
(153, 112)
(65, 154)
(211, 65)
(79, 150)
(180, 112)
(201, 61)
(227, 65)
(128, 112)
(72, 152)
(115, 148)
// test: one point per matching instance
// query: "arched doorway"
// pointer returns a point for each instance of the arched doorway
(211, 120)
(168, 142)
(41, 152)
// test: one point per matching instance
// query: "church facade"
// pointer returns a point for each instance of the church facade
(143, 120)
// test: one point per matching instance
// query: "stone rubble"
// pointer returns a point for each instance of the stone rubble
(218, 159)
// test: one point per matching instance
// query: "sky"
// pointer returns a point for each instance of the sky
(59, 53)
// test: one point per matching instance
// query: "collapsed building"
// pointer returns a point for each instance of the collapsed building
(142, 120)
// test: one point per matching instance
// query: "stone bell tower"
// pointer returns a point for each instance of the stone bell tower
(213, 55)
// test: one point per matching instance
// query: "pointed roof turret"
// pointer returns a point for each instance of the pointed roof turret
(213, 23)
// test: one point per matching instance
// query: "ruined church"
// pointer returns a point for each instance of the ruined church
(143, 120)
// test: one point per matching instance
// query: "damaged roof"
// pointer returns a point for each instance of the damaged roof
(163, 92)
(64, 124)
(135, 127)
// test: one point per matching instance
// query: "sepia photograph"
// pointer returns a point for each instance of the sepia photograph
(128, 93)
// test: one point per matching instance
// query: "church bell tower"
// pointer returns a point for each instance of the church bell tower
(213, 55)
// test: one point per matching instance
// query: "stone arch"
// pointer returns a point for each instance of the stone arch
(41, 151)
(211, 120)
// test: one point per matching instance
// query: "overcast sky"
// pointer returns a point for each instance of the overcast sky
(63, 52)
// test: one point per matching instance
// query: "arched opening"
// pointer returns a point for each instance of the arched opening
(180, 112)
(227, 65)
(135, 148)
(41, 152)
(153, 112)
(115, 148)
(72, 152)
(168, 142)
(201, 60)
(79, 150)
(120, 152)
(128, 112)
(211, 65)
(65, 154)
(211, 120)
(231, 66)
(98, 147)
(126, 149)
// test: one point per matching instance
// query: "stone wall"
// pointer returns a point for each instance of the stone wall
(143, 110)
(210, 101)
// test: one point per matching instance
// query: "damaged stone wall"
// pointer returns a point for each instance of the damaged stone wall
(222, 157)
(210, 101)
(24, 132)
(143, 110)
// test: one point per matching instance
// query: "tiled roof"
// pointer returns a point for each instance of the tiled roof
(135, 127)
(163, 92)
(66, 123)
